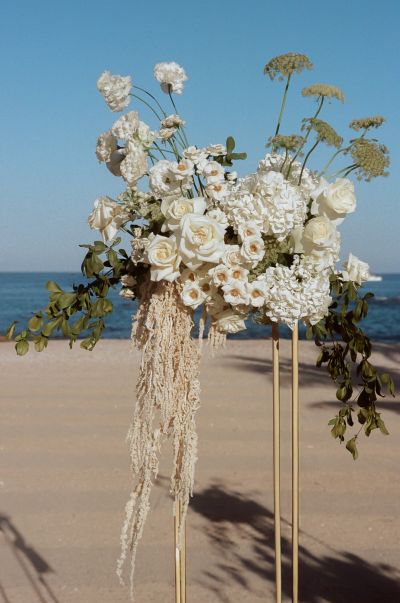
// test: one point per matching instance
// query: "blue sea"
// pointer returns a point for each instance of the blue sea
(22, 294)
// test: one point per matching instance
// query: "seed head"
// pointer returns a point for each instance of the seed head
(287, 64)
(325, 90)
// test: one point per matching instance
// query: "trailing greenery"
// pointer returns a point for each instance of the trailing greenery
(80, 312)
(346, 350)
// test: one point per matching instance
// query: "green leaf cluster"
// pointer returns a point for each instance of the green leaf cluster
(346, 351)
(80, 312)
(230, 156)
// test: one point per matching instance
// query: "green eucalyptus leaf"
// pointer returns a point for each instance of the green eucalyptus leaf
(22, 347)
(11, 330)
(53, 287)
(36, 322)
(352, 447)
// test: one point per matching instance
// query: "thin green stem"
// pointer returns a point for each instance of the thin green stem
(345, 169)
(153, 97)
(333, 158)
(278, 125)
(307, 134)
(306, 159)
(147, 105)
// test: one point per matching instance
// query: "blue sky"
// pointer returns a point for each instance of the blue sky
(51, 112)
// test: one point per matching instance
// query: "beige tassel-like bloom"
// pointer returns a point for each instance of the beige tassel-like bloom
(168, 395)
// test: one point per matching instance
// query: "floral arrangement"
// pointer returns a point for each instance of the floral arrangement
(265, 245)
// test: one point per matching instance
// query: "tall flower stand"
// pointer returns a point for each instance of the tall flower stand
(277, 463)
(180, 556)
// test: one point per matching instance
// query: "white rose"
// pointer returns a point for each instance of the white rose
(192, 295)
(162, 181)
(174, 210)
(355, 270)
(162, 255)
(107, 217)
(230, 321)
(220, 275)
(201, 239)
(252, 249)
(198, 156)
(337, 199)
(217, 191)
(115, 90)
(134, 166)
(238, 273)
(171, 77)
(105, 146)
(232, 256)
(319, 233)
(248, 229)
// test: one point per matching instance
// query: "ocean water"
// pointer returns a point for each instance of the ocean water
(22, 294)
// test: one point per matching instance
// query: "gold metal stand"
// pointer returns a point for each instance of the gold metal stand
(277, 462)
(180, 557)
(295, 463)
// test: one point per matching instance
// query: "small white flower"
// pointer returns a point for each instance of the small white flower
(252, 249)
(171, 77)
(166, 133)
(183, 169)
(107, 217)
(213, 172)
(134, 166)
(115, 90)
(238, 273)
(217, 191)
(197, 156)
(235, 293)
(218, 215)
(127, 280)
(232, 256)
(162, 255)
(216, 150)
(355, 270)
(256, 291)
(230, 321)
(192, 295)
(220, 275)
(126, 125)
(200, 239)
(249, 229)
(105, 146)
(231, 176)
(174, 210)
(172, 121)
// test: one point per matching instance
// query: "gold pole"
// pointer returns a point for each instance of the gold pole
(295, 464)
(277, 458)
(180, 556)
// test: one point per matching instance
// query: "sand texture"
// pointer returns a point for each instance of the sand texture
(64, 481)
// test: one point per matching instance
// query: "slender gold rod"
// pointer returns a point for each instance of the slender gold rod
(295, 463)
(277, 462)
(180, 556)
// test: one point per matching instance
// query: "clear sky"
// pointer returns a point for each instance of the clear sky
(51, 113)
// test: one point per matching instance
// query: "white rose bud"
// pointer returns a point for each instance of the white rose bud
(319, 233)
(355, 270)
(337, 199)
(107, 217)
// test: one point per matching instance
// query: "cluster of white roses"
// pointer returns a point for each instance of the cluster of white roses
(218, 236)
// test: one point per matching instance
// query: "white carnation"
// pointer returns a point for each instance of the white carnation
(126, 125)
(134, 166)
(171, 77)
(166, 133)
(115, 90)
(105, 146)
(172, 121)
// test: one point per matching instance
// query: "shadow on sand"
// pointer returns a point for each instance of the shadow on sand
(334, 577)
(30, 562)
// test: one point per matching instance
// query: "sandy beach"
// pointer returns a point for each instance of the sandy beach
(64, 481)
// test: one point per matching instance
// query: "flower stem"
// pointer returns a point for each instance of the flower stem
(147, 105)
(153, 97)
(307, 134)
(333, 158)
(278, 125)
(306, 159)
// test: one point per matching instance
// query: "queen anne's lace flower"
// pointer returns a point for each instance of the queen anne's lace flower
(171, 77)
(115, 90)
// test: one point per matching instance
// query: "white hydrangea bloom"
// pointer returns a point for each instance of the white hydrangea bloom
(171, 76)
(296, 293)
(126, 125)
(105, 146)
(115, 90)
